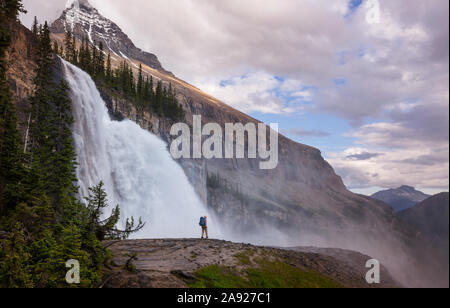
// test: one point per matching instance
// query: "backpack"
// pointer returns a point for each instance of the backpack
(202, 222)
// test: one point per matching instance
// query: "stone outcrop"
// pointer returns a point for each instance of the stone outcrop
(173, 263)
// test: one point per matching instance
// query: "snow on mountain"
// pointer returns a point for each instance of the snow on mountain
(83, 20)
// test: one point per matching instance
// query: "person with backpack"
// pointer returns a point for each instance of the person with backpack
(204, 224)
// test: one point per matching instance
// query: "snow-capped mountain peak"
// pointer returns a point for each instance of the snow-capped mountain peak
(84, 21)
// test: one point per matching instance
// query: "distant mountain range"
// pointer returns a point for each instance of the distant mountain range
(401, 198)
(431, 217)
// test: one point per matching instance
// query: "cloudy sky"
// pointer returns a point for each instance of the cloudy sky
(365, 81)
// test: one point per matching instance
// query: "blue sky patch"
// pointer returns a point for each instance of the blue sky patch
(354, 4)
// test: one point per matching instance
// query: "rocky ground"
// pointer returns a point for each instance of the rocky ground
(185, 262)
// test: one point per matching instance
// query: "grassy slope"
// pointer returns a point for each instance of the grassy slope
(259, 273)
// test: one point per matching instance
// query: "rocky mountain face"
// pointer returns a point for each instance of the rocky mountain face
(301, 202)
(83, 20)
(21, 66)
(431, 217)
(401, 198)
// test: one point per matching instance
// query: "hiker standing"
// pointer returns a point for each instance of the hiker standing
(204, 225)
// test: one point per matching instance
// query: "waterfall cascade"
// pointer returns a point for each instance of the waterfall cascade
(138, 172)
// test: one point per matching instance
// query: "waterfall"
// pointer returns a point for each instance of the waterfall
(136, 167)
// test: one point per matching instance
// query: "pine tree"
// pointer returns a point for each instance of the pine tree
(131, 84)
(81, 55)
(108, 70)
(100, 61)
(15, 261)
(146, 93)
(151, 88)
(62, 176)
(10, 9)
(140, 84)
(140, 105)
(73, 51)
(94, 67)
(68, 41)
(35, 27)
(41, 109)
(85, 55)
(158, 101)
(106, 228)
(55, 47)
(11, 158)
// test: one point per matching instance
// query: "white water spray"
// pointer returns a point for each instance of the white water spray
(136, 167)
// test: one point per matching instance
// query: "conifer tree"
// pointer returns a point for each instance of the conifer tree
(55, 47)
(68, 41)
(11, 158)
(106, 228)
(108, 70)
(73, 51)
(100, 61)
(62, 178)
(158, 101)
(35, 27)
(94, 61)
(146, 93)
(41, 109)
(152, 93)
(140, 84)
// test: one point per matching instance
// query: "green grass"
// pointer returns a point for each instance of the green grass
(244, 257)
(265, 275)
(216, 276)
(281, 275)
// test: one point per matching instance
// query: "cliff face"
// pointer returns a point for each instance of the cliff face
(21, 66)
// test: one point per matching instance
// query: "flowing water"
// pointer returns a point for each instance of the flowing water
(138, 172)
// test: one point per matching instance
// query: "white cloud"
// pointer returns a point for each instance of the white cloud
(258, 92)
(390, 157)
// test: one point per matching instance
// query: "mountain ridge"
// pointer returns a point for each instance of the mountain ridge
(401, 198)
(84, 20)
(431, 217)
